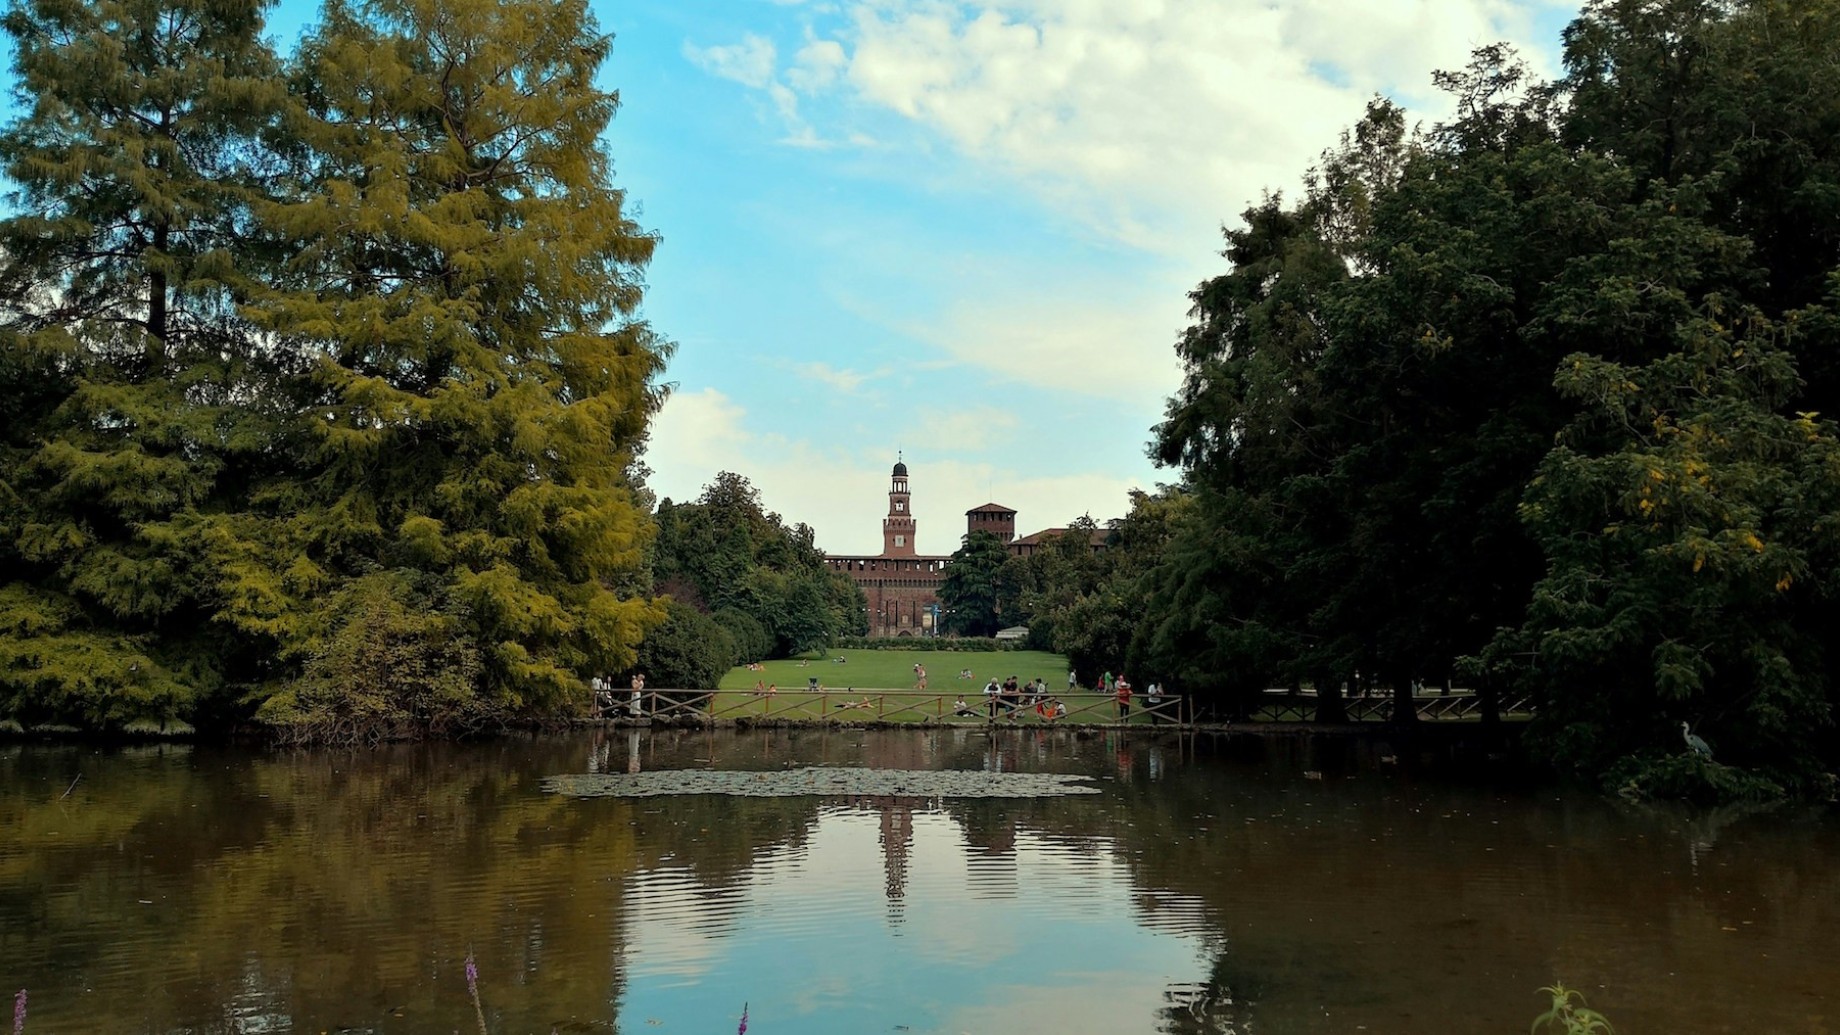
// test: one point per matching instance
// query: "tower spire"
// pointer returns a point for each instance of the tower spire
(898, 526)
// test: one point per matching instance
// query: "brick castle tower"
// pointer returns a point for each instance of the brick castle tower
(901, 584)
(898, 526)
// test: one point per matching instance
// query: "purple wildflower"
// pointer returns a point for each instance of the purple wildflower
(743, 1029)
(472, 975)
(19, 1012)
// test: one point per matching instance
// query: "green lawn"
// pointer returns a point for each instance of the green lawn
(894, 670)
(863, 673)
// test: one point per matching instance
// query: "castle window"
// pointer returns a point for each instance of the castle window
(900, 540)
(900, 505)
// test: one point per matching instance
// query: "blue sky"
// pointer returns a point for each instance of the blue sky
(966, 230)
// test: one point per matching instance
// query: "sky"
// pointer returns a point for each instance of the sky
(964, 231)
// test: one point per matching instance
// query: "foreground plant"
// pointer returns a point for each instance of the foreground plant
(472, 989)
(1570, 1015)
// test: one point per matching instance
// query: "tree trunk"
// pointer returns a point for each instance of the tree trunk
(1329, 705)
(1405, 705)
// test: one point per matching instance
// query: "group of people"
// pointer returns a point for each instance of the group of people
(1011, 696)
(1120, 688)
(603, 696)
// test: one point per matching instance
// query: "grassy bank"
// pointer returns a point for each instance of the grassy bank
(894, 670)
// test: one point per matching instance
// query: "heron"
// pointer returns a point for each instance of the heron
(1694, 744)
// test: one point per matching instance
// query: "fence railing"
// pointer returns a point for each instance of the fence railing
(1080, 707)
(1459, 705)
(860, 705)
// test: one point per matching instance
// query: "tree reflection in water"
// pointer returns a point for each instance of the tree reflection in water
(235, 891)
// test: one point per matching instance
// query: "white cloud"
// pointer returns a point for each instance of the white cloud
(816, 65)
(750, 62)
(841, 379)
(1116, 344)
(979, 427)
(1143, 119)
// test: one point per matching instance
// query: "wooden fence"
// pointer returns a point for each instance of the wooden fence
(872, 705)
(1282, 705)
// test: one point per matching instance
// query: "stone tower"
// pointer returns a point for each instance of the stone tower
(994, 518)
(898, 526)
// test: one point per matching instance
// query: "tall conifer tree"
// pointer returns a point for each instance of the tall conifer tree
(466, 284)
(125, 360)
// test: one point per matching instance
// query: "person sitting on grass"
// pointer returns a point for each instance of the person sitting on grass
(772, 688)
(760, 686)
(963, 710)
(964, 673)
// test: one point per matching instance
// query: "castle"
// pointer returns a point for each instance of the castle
(901, 583)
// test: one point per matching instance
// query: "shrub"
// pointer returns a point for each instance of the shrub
(1689, 777)
(396, 665)
(752, 640)
(690, 651)
(946, 643)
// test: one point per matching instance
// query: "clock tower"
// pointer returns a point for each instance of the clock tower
(898, 526)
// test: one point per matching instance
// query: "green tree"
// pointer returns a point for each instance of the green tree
(465, 285)
(727, 554)
(1368, 418)
(689, 651)
(131, 384)
(973, 589)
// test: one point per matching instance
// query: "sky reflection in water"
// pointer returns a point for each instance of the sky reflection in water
(1209, 888)
(1030, 935)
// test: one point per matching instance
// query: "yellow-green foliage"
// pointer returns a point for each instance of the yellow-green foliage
(463, 290)
(325, 338)
(395, 664)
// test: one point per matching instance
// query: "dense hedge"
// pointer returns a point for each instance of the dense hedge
(952, 643)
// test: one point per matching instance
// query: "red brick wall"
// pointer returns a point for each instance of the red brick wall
(899, 590)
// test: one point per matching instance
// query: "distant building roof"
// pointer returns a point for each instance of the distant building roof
(1097, 537)
(900, 469)
(991, 508)
(1014, 632)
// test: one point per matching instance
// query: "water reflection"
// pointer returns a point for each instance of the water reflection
(1209, 889)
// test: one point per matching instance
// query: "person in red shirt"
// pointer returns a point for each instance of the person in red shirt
(1124, 699)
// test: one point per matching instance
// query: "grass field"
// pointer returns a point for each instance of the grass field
(852, 687)
(894, 670)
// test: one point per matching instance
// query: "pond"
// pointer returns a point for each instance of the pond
(1211, 885)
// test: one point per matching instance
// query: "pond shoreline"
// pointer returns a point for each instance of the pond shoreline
(1508, 731)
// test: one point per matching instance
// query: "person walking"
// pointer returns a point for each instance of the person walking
(920, 677)
(1123, 687)
(1073, 681)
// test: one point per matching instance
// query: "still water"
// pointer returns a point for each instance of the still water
(1210, 887)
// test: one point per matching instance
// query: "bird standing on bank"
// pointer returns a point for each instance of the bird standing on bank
(1694, 744)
